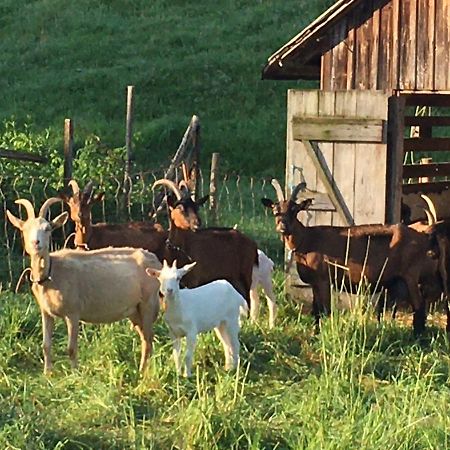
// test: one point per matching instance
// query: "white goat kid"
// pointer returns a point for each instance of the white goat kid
(189, 312)
(262, 277)
(101, 286)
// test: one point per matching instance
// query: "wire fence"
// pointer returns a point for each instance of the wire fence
(237, 199)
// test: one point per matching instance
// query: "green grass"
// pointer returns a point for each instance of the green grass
(357, 384)
(75, 60)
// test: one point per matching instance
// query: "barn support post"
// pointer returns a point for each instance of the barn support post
(395, 153)
(128, 146)
(68, 151)
(213, 186)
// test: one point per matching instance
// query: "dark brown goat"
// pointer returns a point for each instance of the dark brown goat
(384, 255)
(89, 236)
(220, 253)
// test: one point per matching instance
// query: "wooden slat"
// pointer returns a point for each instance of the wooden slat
(426, 170)
(338, 129)
(396, 111)
(395, 33)
(340, 57)
(326, 178)
(362, 48)
(22, 156)
(442, 61)
(344, 156)
(425, 188)
(428, 99)
(427, 145)
(427, 121)
(326, 109)
(386, 48)
(425, 44)
(407, 47)
(375, 48)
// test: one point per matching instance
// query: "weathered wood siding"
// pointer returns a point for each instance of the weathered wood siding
(385, 45)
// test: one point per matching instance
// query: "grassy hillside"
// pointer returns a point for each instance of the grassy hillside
(74, 59)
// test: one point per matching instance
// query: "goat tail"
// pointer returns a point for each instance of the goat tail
(243, 308)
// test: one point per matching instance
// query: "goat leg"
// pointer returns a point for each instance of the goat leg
(48, 323)
(72, 334)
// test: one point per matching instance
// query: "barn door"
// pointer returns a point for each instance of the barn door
(336, 143)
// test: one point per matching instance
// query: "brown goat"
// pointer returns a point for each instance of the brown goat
(220, 253)
(89, 236)
(384, 255)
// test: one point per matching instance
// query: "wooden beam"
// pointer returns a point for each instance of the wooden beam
(338, 129)
(426, 170)
(427, 145)
(427, 121)
(22, 156)
(325, 176)
(427, 99)
(425, 188)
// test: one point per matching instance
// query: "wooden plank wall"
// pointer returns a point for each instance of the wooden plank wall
(360, 181)
(385, 45)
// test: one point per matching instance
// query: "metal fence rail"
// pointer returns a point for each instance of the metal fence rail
(237, 199)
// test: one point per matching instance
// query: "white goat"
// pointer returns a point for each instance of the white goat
(262, 277)
(100, 286)
(191, 311)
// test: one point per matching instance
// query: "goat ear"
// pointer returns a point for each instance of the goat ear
(187, 268)
(60, 220)
(154, 273)
(202, 201)
(267, 202)
(305, 204)
(18, 223)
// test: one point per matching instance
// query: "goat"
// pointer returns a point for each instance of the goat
(220, 253)
(151, 237)
(100, 286)
(262, 277)
(189, 312)
(384, 255)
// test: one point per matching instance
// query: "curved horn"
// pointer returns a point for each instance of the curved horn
(75, 188)
(183, 185)
(168, 184)
(430, 216)
(28, 206)
(44, 208)
(431, 207)
(300, 187)
(278, 190)
(88, 188)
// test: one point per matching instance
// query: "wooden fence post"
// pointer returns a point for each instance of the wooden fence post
(213, 185)
(196, 156)
(128, 145)
(68, 150)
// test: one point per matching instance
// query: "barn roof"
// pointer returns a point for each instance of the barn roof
(300, 57)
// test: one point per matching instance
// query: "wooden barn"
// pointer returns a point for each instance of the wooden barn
(383, 103)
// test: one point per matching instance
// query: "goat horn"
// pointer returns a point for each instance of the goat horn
(169, 184)
(88, 188)
(430, 216)
(300, 187)
(28, 206)
(75, 188)
(184, 185)
(278, 190)
(431, 207)
(44, 208)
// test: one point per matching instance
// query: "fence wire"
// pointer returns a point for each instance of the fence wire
(237, 198)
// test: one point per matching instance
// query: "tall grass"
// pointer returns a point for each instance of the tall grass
(357, 384)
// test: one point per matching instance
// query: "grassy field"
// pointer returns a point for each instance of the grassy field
(75, 60)
(357, 384)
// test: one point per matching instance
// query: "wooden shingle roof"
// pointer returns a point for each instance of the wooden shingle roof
(300, 57)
